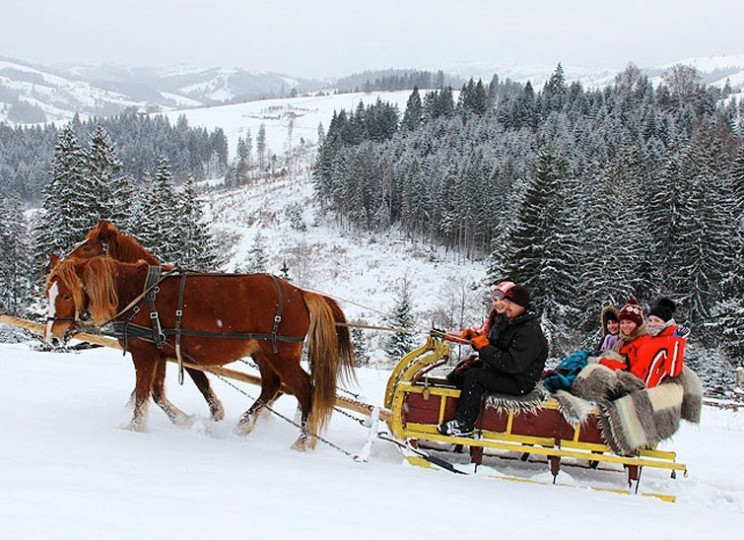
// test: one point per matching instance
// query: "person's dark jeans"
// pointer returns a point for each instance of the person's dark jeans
(477, 382)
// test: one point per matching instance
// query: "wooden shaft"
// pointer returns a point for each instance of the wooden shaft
(344, 403)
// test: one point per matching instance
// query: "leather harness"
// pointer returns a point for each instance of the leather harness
(158, 335)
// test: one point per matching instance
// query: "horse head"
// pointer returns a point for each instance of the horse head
(106, 239)
(98, 241)
(76, 287)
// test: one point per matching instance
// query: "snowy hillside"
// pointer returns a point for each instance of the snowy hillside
(361, 270)
(301, 115)
(29, 94)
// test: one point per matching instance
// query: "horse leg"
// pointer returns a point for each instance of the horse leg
(176, 415)
(144, 368)
(201, 381)
(299, 382)
(270, 385)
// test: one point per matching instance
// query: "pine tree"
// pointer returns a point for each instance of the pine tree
(15, 261)
(196, 250)
(102, 170)
(126, 194)
(360, 347)
(401, 343)
(257, 260)
(701, 249)
(63, 220)
(414, 111)
(261, 149)
(158, 227)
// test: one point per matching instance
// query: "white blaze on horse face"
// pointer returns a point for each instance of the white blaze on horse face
(52, 294)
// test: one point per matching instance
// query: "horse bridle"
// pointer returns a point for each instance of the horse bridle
(70, 331)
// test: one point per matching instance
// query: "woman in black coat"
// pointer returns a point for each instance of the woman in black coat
(512, 364)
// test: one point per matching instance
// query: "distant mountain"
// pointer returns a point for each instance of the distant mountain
(31, 94)
(204, 85)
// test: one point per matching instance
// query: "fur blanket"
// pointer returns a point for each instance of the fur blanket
(632, 416)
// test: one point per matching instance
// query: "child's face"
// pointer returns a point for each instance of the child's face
(613, 326)
(627, 326)
(498, 303)
(655, 322)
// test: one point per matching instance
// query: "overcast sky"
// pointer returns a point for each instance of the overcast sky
(325, 38)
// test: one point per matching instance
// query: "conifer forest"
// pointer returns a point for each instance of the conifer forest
(588, 197)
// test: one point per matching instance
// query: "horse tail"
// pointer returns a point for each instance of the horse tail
(329, 347)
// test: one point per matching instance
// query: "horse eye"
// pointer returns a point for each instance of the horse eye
(86, 248)
(67, 298)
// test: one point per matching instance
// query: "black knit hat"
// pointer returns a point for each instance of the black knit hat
(519, 295)
(664, 309)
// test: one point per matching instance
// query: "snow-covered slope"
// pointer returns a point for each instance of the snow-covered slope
(302, 115)
(361, 270)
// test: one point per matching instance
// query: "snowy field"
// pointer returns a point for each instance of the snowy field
(306, 113)
(69, 470)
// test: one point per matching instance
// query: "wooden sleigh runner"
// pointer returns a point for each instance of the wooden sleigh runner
(532, 427)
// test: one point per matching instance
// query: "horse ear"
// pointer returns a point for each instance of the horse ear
(53, 260)
(106, 228)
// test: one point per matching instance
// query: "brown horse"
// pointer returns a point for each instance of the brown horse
(224, 317)
(106, 239)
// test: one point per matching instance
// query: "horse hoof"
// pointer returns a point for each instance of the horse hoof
(137, 426)
(185, 421)
(218, 413)
(304, 443)
(245, 426)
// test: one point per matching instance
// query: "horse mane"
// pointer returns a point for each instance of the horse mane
(125, 248)
(99, 279)
(66, 271)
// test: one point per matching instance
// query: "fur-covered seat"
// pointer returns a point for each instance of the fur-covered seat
(530, 402)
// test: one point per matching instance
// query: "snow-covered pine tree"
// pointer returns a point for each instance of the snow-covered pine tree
(261, 146)
(196, 243)
(402, 342)
(359, 341)
(62, 220)
(158, 226)
(15, 260)
(103, 167)
(257, 260)
(126, 200)
(701, 251)
(413, 114)
(601, 271)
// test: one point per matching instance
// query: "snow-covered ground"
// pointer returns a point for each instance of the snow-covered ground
(69, 470)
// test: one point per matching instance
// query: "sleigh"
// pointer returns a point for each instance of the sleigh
(527, 429)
